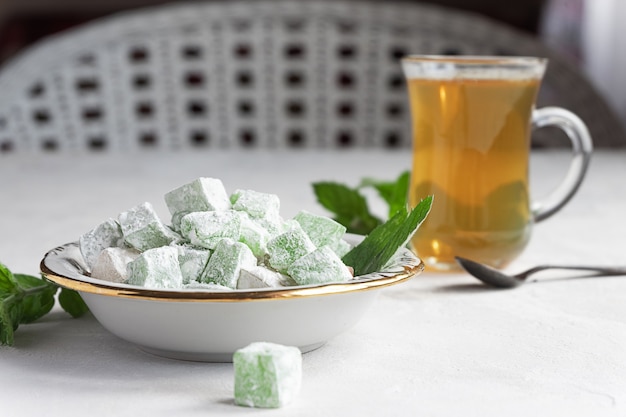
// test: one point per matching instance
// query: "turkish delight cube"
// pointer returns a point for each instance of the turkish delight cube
(143, 230)
(341, 247)
(262, 277)
(202, 194)
(105, 235)
(111, 264)
(254, 236)
(255, 203)
(207, 228)
(285, 248)
(267, 375)
(156, 268)
(319, 267)
(226, 263)
(321, 229)
(192, 262)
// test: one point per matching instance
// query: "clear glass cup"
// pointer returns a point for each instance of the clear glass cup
(472, 119)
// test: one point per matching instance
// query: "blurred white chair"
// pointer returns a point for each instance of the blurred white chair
(255, 74)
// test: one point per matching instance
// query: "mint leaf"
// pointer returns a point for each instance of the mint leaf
(348, 205)
(38, 299)
(382, 243)
(25, 298)
(8, 284)
(6, 324)
(9, 313)
(72, 303)
(394, 193)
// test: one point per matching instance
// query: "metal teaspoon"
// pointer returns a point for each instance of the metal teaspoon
(495, 278)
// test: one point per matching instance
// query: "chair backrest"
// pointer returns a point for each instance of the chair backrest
(254, 73)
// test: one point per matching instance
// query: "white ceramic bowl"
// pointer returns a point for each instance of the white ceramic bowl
(206, 325)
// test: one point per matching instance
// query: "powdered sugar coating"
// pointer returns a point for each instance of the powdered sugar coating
(226, 262)
(143, 230)
(207, 228)
(156, 268)
(319, 267)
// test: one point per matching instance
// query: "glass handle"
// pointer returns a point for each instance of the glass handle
(582, 146)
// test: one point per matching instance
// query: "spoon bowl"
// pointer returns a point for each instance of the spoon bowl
(499, 279)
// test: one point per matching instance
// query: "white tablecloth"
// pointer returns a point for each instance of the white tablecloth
(439, 344)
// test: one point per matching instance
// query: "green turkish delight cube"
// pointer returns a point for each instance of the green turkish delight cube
(226, 263)
(321, 266)
(192, 262)
(341, 247)
(253, 235)
(207, 228)
(262, 277)
(156, 268)
(202, 194)
(322, 230)
(255, 203)
(105, 235)
(143, 230)
(285, 248)
(267, 375)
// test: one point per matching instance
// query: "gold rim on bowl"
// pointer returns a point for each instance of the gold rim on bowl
(61, 266)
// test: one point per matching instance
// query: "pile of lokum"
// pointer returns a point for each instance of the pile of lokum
(216, 241)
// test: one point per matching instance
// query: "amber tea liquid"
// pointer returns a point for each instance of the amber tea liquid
(471, 144)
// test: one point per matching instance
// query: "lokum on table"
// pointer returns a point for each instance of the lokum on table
(267, 375)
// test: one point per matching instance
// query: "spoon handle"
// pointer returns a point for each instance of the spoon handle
(601, 270)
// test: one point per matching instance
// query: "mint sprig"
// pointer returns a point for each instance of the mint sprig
(373, 253)
(383, 239)
(25, 298)
(350, 207)
(394, 193)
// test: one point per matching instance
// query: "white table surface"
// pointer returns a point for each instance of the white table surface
(438, 345)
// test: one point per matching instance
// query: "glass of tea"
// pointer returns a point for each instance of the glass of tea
(472, 119)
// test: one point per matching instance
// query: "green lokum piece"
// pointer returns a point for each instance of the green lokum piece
(156, 268)
(340, 247)
(202, 194)
(105, 235)
(267, 375)
(111, 264)
(262, 277)
(322, 230)
(285, 248)
(192, 262)
(143, 230)
(319, 267)
(255, 203)
(226, 263)
(176, 218)
(254, 236)
(207, 228)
